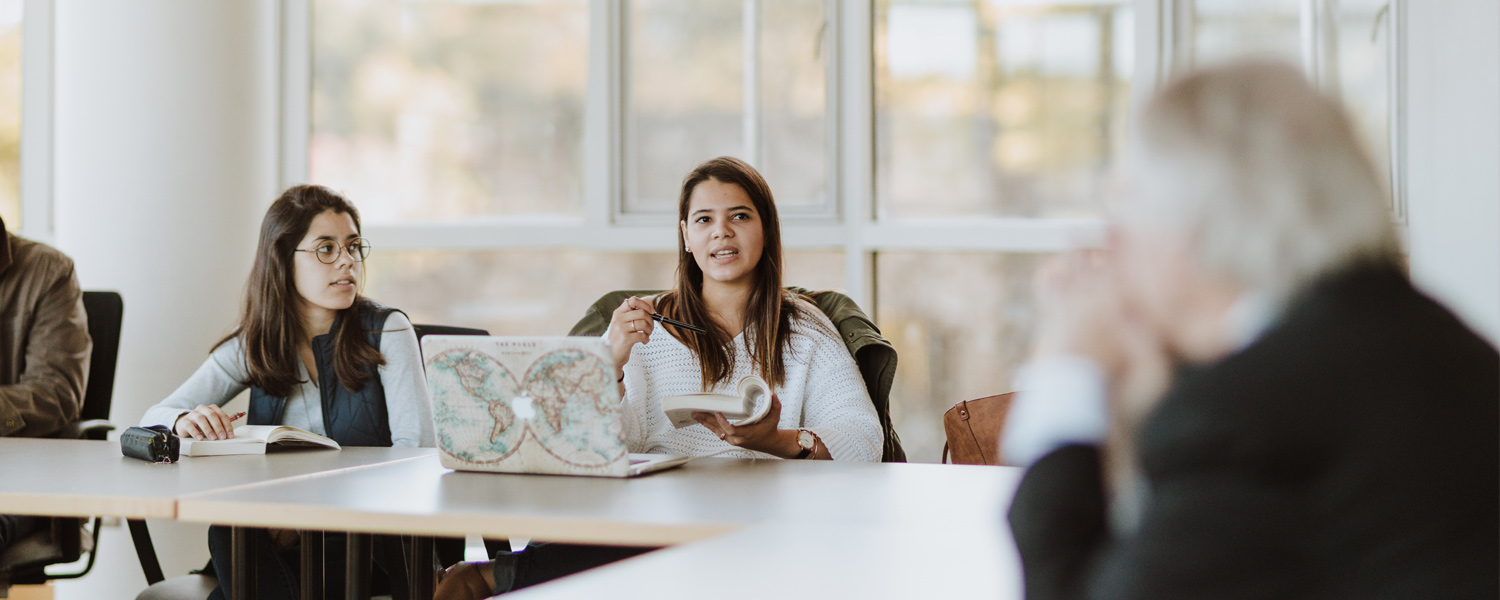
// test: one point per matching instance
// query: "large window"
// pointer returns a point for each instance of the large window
(517, 159)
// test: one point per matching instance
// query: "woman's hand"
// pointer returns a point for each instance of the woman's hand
(630, 325)
(207, 422)
(763, 436)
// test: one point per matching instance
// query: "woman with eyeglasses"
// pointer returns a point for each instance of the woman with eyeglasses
(313, 353)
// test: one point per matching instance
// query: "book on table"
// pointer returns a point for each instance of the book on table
(749, 404)
(253, 439)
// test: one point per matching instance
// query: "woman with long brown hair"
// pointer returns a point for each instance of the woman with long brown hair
(313, 352)
(728, 282)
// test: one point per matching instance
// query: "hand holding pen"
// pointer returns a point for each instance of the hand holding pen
(206, 422)
(632, 323)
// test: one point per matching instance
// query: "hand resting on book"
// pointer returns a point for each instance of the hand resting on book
(206, 422)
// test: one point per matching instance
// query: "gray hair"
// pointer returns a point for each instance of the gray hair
(1264, 177)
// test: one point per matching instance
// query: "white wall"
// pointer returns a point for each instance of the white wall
(164, 162)
(1453, 155)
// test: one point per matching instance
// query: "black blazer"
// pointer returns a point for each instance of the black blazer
(1353, 451)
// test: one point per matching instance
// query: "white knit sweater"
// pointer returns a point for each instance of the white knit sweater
(823, 393)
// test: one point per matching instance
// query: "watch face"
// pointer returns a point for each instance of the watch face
(806, 440)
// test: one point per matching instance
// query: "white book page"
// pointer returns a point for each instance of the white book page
(283, 434)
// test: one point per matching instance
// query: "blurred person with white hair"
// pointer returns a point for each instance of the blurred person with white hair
(1244, 396)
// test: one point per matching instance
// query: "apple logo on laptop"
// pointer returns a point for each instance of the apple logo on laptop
(521, 405)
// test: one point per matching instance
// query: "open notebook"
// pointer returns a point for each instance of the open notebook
(253, 439)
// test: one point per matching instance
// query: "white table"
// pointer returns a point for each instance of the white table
(799, 560)
(904, 528)
(80, 478)
(83, 478)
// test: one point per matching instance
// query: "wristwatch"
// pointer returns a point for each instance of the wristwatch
(807, 441)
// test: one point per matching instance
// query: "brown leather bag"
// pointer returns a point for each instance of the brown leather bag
(973, 428)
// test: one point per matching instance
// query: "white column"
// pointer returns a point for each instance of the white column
(164, 161)
(1453, 155)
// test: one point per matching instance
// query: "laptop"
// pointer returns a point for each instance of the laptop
(548, 405)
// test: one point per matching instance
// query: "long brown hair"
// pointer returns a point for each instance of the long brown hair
(770, 310)
(270, 327)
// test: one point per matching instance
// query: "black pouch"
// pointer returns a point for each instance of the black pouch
(155, 444)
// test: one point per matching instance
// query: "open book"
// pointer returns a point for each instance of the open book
(253, 439)
(751, 402)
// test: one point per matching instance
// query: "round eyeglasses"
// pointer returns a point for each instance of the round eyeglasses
(329, 252)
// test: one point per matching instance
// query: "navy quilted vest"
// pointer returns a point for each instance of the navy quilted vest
(350, 418)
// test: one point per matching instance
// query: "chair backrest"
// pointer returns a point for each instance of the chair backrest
(105, 311)
(426, 330)
(874, 355)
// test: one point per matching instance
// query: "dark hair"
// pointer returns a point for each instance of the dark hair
(769, 311)
(270, 327)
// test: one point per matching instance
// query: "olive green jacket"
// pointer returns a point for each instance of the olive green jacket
(874, 355)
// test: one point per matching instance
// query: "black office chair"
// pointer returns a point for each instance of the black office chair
(198, 584)
(66, 540)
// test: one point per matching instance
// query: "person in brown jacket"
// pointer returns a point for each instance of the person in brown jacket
(44, 349)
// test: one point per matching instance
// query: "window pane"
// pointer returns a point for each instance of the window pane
(1363, 74)
(996, 109)
(1225, 30)
(538, 292)
(685, 100)
(447, 109)
(10, 113)
(794, 104)
(961, 324)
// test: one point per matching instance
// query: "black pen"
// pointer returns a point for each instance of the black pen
(675, 322)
